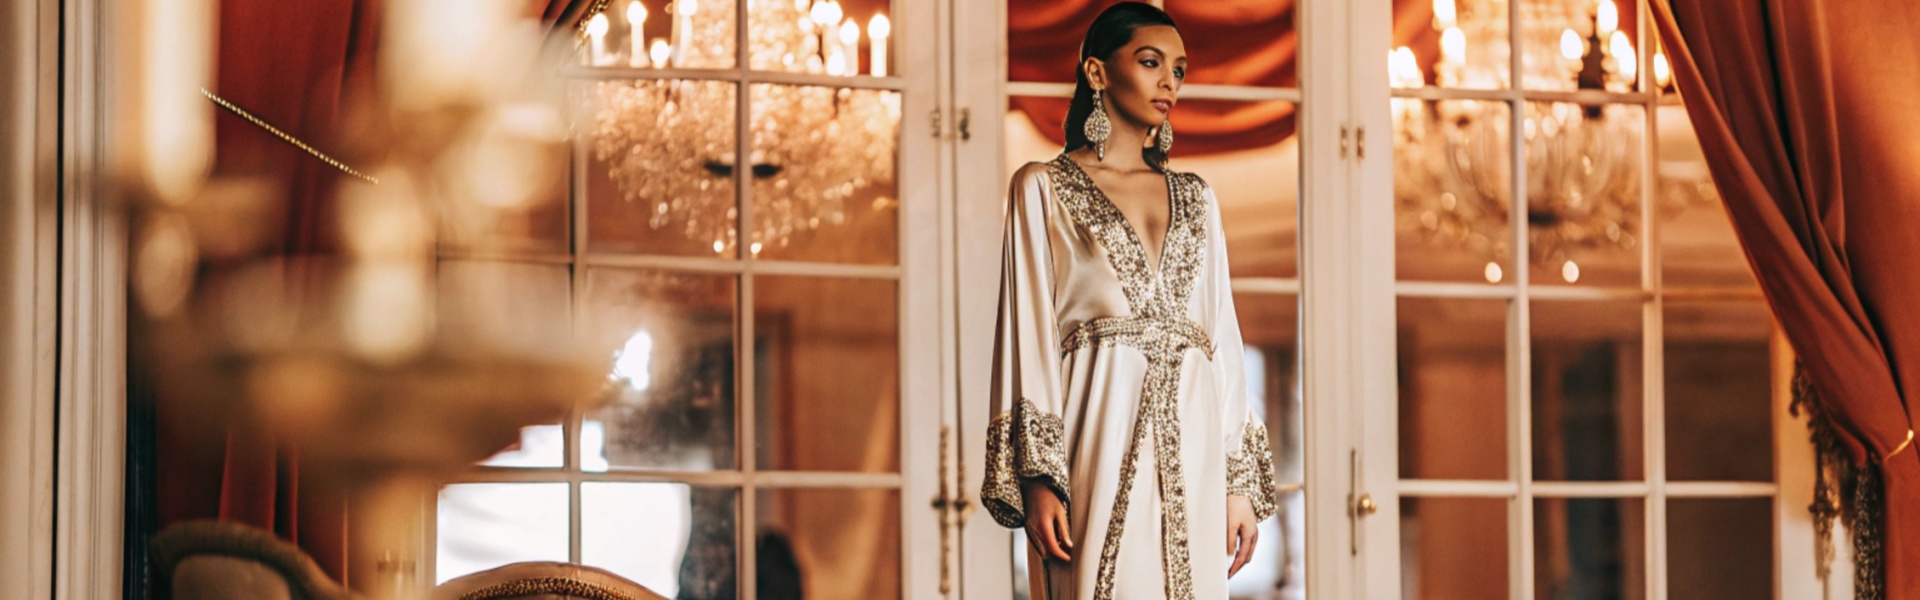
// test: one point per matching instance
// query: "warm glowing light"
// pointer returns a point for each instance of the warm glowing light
(597, 32)
(597, 26)
(1495, 273)
(631, 362)
(661, 52)
(1444, 13)
(687, 8)
(826, 13)
(1570, 272)
(636, 34)
(1623, 54)
(1662, 72)
(1608, 17)
(1404, 69)
(879, 29)
(849, 33)
(1453, 46)
(837, 64)
(719, 247)
(1571, 46)
(755, 248)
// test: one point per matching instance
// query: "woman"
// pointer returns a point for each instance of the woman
(1121, 438)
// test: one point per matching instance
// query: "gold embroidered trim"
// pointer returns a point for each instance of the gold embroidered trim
(1160, 329)
(1250, 471)
(546, 586)
(1024, 443)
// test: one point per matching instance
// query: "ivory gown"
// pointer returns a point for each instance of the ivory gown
(1097, 354)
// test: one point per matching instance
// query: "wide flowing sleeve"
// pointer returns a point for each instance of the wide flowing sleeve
(1249, 456)
(1025, 438)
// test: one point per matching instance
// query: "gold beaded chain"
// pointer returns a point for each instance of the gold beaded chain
(223, 103)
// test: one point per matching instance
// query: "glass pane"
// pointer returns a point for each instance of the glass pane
(1698, 248)
(824, 186)
(828, 544)
(1587, 391)
(1589, 548)
(675, 539)
(486, 525)
(1583, 192)
(1451, 44)
(1453, 389)
(1452, 172)
(1253, 167)
(839, 37)
(1269, 328)
(539, 446)
(682, 34)
(1580, 44)
(1715, 548)
(1720, 380)
(534, 220)
(1453, 548)
(659, 162)
(827, 374)
(518, 307)
(671, 335)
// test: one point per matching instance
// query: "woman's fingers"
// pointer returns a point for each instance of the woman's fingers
(1063, 530)
(1248, 536)
(1049, 536)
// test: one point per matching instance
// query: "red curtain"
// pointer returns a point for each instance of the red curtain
(1806, 110)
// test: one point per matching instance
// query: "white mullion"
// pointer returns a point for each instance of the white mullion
(736, 75)
(1454, 290)
(1587, 294)
(570, 434)
(744, 396)
(806, 479)
(1520, 362)
(1654, 337)
(1587, 96)
(1590, 489)
(1448, 488)
(1721, 489)
(702, 264)
(505, 256)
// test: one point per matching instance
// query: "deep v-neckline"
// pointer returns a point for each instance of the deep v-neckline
(1157, 260)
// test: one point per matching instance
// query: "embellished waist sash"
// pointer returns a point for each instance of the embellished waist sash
(1164, 341)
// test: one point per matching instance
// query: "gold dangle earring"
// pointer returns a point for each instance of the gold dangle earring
(1097, 128)
(1166, 137)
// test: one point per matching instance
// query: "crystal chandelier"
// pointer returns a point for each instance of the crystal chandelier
(670, 143)
(1583, 184)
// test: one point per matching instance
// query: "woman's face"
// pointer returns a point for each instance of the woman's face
(1142, 80)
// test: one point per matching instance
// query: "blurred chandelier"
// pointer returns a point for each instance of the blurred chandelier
(1583, 185)
(670, 143)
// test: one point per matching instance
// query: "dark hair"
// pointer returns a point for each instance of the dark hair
(1110, 32)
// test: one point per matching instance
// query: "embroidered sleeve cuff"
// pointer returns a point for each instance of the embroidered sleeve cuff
(1250, 471)
(1023, 444)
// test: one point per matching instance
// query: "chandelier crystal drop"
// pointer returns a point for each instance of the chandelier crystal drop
(671, 144)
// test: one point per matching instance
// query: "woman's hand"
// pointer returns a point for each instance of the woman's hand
(1243, 531)
(1047, 527)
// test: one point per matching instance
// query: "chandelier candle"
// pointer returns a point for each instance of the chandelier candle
(850, 47)
(597, 30)
(878, 30)
(637, 34)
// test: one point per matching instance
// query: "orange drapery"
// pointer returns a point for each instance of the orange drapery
(1807, 129)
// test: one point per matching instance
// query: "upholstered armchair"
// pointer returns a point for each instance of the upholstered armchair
(543, 581)
(211, 560)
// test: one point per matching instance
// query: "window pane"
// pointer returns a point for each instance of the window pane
(1698, 248)
(516, 307)
(672, 335)
(1269, 328)
(486, 525)
(1452, 176)
(659, 162)
(827, 374)
(1453, 548)
(1279, 562)
(1720, 380)
(700, 36)
(828, 544)
(675, 539)
(1583, 192)
(1719, 548)
(1452, 44)
(539, 446)
(1588, 391)
(1589, 548)
(1254, 170)
(791, 37)
(1580, 45)
(1453, 389)
(824, 182)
